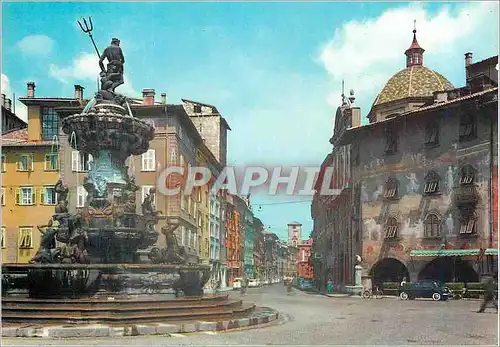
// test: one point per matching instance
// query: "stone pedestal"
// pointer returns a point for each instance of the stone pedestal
(358, 270)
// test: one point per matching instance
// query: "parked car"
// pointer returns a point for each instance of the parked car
(237, 283)
(253, 282)
(424, 289)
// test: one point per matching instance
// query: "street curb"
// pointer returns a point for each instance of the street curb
(164, 329)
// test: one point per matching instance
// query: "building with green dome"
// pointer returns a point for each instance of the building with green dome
(418, 184)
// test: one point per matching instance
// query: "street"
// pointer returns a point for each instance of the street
(314, 319)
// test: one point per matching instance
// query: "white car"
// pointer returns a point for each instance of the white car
(253, 282)
(237, 283)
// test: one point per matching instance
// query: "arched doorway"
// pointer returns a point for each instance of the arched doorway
(449, 269)
(388, 270)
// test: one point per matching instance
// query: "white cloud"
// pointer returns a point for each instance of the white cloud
(5, 85)
(36, 45)
(86, 68)
(21, 110)
(367, 53)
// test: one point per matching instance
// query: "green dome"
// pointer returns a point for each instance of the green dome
(414, 81)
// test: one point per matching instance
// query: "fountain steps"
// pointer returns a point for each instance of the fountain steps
(132, 310)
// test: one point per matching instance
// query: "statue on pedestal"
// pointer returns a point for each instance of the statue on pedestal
(62, 197)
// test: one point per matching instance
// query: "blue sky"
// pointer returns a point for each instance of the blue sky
(274, 70)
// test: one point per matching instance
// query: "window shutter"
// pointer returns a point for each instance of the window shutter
(42, 196)
(18, 196)
(33, 196)
(75, 159)
(144, 160)
(31, 162)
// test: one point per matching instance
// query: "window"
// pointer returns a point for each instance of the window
(4, 162)
(415, 58)
(81, 196)
(25, 196)
(431, 134)
(431, 183)
(145, 192)
(25, 162)
(80, 161)
(391, 228)
(391, 189)
(50, 124)
(189, 209)
(3, 237)
(48, 195)
(467, 175)
(467, 127)
(468, 225)
(173, 155)
(51, 162)
(391, 145)
(3, 196)
(26, 237)
(432, 225)
(149, 160)
(189, 238)
(197, 108)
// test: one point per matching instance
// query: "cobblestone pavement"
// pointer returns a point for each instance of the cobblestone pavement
(313, 319)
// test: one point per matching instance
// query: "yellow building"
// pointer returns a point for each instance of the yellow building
(30, 170)
(203, 219)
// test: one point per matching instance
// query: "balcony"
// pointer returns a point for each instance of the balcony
(465, 195)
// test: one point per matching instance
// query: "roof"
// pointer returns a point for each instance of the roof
(434, 106)
(40, 101)
(414, 81)
(451, 252)
(216, 113)
(294, 223)
(19, 137)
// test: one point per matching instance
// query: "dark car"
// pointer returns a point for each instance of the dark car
(424, 289)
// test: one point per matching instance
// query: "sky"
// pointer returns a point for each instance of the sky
(274, 70)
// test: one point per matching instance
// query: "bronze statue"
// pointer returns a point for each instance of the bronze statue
(173, 254)
(112, 77)
(47, 253)
(62, 197)
(148, 206)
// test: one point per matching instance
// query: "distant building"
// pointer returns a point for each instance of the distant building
(294, 233)
(271, 245)
(10, 121)
(304, 268)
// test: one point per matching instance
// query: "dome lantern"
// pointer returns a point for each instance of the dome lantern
(414, 54)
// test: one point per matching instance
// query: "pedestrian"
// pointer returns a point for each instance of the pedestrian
(330, 286)
(489, 295)
(403, 282)
(244, 287)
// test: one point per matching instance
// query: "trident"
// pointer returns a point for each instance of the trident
(88, 30)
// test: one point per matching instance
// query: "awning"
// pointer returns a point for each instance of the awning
(452, 252)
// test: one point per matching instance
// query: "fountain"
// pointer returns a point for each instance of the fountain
(88, 268)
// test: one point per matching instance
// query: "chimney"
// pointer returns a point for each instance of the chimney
(7, 104)
(468, 59)
(79, 93)
(164, 98)
(355, 117)
(468, 62)
(31, 89)
(148, 96)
